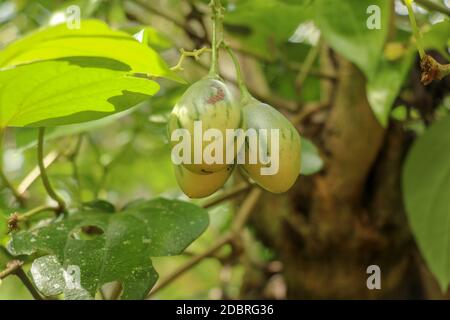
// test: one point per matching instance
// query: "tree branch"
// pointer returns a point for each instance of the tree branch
(239, 223)
(227, 195)
(14, 267)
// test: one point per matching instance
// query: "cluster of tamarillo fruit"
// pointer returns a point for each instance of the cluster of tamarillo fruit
(210, 101)
(222, 111)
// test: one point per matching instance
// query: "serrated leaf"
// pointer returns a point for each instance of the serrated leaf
(63, 92)
(93, 39)
(311, 160)
(426, 189)
(343, 24)
(121, 253)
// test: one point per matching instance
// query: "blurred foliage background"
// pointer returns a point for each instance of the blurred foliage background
(279, 42)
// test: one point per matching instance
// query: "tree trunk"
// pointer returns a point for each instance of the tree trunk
(330, 227)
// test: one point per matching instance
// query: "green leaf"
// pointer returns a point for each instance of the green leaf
(27, 137)
(437, 37)
(93, 39)
(62, 92)
(383, 88)
(117, 248)
(263, 25)
(343, 24)
(311, 160)
(426, 189)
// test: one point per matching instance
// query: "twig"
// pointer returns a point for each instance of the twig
(227, 195)
(305, 69)
(184, 54)
(292, 66)
(11, 268)
(14, 267)
(415, 28)
(15, 218)
(73, 160)
(433, 70)
(239, 222)
(4, 179)
(191, 263)
(26, 183)
(48, 187)
(307, 111)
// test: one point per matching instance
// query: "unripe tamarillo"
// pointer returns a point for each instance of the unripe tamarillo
(201, 185)
(258, 115)
(211, 102)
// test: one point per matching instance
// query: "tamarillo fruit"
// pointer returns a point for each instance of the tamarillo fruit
(211, 102)
(258, 115)
(201, 185)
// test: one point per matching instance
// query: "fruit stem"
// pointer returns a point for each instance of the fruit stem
(246, 96)
(184, 54)
(415, 28)
(216, 8)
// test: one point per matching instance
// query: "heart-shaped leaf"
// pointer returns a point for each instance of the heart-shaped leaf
(426, 190)
(91, 248)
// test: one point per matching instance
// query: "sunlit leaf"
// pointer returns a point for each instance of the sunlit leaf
(94, 39)
(63, 92)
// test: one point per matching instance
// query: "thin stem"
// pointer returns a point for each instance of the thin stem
(4, 179)
(14, 267)
(184, 54)
(235, 191)
(15, 218)
(31, 177)
(190, 264)
(308, 64)
(73, 160)
(242, 86)
(11, 268)
(216, 17)
(238, 224)
(415, 28)
(45, 180)
(29, 214)
(27, 283)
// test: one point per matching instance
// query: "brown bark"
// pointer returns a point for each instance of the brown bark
(329, 228)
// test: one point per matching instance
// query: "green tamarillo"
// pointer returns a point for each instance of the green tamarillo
(258, 115)
(211, 102)
(201, 185)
